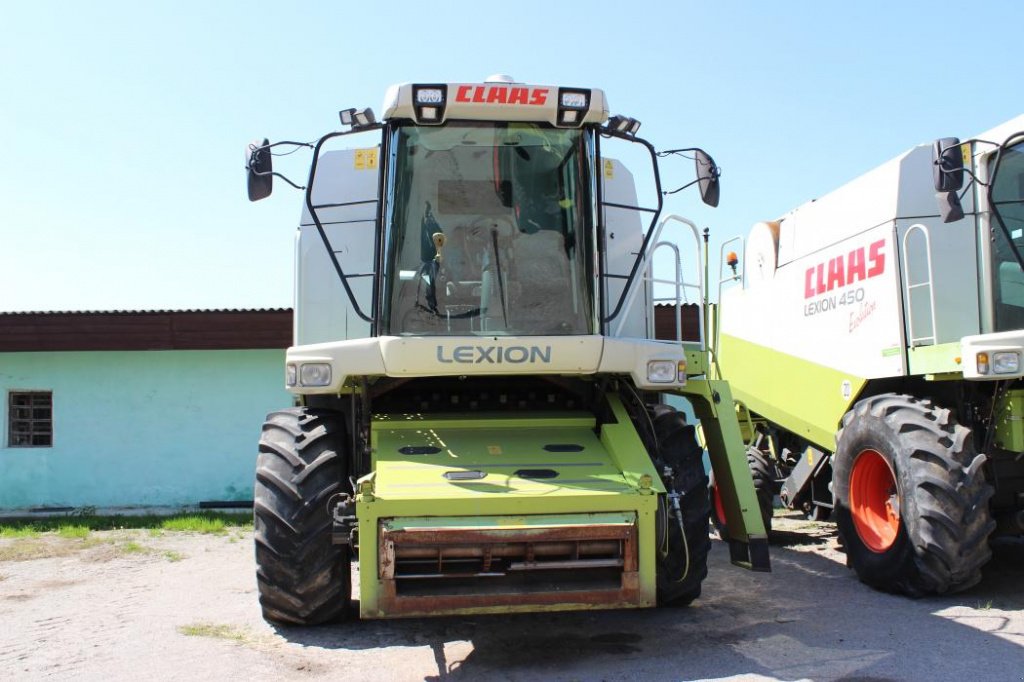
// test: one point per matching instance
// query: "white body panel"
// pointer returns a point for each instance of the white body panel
(839, 307)
(925, 291)
(419, 356)
(624, 230)
(323, 311)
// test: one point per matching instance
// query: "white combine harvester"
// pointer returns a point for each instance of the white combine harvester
(876, 339)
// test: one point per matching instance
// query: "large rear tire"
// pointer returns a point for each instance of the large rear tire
(911, 497)
(303, 578)
(682, 548)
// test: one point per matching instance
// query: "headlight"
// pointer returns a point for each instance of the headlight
(429, 96)
(1007, 362)
(315, 374)
(661, 371)
(290, 375)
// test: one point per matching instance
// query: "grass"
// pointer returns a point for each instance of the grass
(171, 555)
(19, 532)
(195, 524)
(214, 630)
(73, 532)
(78, 525)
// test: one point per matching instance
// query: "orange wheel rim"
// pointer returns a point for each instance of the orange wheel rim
(719, 507)
(874, 501)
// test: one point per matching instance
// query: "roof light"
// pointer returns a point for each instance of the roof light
(428, 102)
(429, 96)
(356, 118)
(573, 103)
(624, 125)
(574, 100)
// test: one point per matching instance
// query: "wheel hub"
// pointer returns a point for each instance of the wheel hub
(874, 501)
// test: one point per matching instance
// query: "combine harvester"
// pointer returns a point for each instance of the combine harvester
(479, 417)
(875, 344)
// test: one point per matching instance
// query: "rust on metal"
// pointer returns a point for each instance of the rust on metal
(497, 556)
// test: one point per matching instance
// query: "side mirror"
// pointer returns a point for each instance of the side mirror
(259, 170)
(707, 178)
(947, 165)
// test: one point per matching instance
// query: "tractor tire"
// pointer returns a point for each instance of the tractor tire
(303, 578)
(911, 497)
(762, 473)
(682, 549)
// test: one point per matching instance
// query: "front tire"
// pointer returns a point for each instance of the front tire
(682, 548)
(911, 497)
(303, 578)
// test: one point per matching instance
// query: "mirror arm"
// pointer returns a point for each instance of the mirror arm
(278, 175)
(680, 189)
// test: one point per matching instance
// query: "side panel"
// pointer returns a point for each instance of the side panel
(348, 181)
(953, 279)
(624, 231)
(838, 308)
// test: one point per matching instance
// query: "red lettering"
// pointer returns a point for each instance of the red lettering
(518, 96)
(463, 94)
(821, 278)
(855, 266)
(478, 95)
(809, 283)
(540, 96)
(499, 95)
(836, 275)
(877, 258)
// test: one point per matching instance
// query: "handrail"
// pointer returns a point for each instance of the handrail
(913, 340)
(645, 260)
(722, 279)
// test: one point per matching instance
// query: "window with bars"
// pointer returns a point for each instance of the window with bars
(30, 419)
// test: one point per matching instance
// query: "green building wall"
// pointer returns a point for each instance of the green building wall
(140, 428)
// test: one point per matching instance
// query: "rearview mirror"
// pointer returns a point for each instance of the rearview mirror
(259, 170)
(947, 165)
(707, 178)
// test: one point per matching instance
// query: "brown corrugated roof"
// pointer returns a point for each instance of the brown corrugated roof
(146, 330)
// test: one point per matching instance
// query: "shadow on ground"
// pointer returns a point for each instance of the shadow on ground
(809, 618)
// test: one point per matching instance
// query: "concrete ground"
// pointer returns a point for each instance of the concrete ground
(131, 604)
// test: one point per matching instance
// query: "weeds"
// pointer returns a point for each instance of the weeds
(171, 555)
(69, 532)
(214, 630)
(195, 524)
(204, 522)
(18, 532)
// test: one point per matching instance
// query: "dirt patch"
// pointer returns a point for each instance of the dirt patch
(80, 613)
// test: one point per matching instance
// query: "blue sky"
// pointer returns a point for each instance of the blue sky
(123, 124)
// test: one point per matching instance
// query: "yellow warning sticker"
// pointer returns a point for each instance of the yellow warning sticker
(494, 449)
(965, 152)
(609, 169)
(366, 159)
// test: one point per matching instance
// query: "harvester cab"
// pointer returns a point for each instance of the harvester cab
(479, 417)
(884, 385)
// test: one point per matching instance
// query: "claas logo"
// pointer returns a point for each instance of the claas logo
(858, 265)
(500, 94)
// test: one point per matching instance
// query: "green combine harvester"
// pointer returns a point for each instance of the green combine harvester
(480, 420)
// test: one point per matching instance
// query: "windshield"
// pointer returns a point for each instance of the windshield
(488, 230)
(1007, 202)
